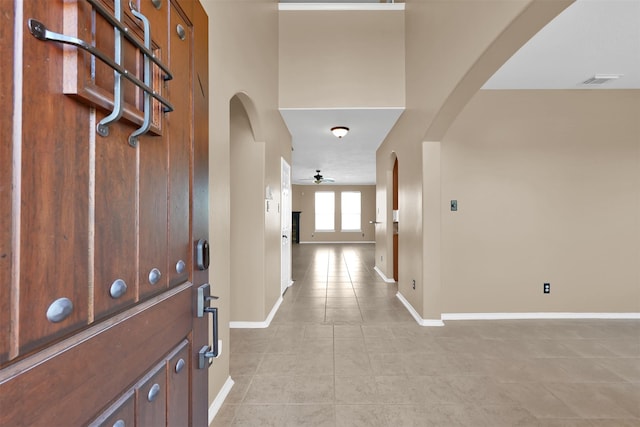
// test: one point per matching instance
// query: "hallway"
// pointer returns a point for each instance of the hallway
(343, 351)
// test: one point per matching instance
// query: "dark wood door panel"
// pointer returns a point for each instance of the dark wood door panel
(115, 243)
(172, 377)
(54, 188)
(124, 410)
(128, 174)
(86, 372)
(151, 398)
(153, 178)
(153, 215)
(6, 177)
(178, 366)
(180, 141)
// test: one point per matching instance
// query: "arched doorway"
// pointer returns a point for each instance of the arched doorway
(247, 228)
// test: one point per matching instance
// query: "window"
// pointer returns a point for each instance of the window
(325, 210)
(351, 207)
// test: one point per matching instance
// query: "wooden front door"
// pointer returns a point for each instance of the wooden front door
(98, 280)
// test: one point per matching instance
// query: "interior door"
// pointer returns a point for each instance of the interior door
(104, 193)
(285, 215)
(395, 221)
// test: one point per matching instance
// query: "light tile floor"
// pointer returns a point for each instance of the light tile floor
(343, 351)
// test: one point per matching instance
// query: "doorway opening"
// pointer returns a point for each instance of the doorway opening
(285, 227)
(247, 212)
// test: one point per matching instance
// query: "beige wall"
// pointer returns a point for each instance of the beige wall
(247, 223)
(304, 200)
(451, 47)
(548, 188)
(342, 59)
(243, 59)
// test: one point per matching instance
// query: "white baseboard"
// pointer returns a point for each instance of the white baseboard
(220, 398)
(512, 316)
(258, 325)
(416, 316)
(381, 274)
(540, 316)
(313, 242)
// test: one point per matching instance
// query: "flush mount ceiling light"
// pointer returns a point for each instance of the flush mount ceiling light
(339, 131)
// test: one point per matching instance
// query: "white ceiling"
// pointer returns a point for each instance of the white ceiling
(590, 37)
(348, 160)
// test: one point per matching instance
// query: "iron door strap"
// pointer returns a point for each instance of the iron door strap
(118, 24)
(118, 94)
(148, 80)
(40, 31)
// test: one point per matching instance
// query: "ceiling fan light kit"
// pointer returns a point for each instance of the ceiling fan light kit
(319, 179)
(339, 131)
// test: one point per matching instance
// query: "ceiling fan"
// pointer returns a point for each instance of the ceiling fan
(319, 179)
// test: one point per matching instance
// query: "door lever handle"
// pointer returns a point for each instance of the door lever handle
(207, 353)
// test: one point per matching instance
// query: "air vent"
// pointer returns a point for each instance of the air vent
(600, 79)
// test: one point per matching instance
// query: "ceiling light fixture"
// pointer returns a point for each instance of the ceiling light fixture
(599, 79)
(339, 131)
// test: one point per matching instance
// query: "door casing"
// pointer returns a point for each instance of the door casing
(285, 214)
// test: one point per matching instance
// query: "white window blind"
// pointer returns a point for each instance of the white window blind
(325, 210)
(351, 207)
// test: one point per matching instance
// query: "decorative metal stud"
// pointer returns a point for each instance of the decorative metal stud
(153, 393)
(180, 365)
(181, 32)
(118, 288)
(180, 265)
(59, 310)
(154, 276)
(119, 423)
(157, 4)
